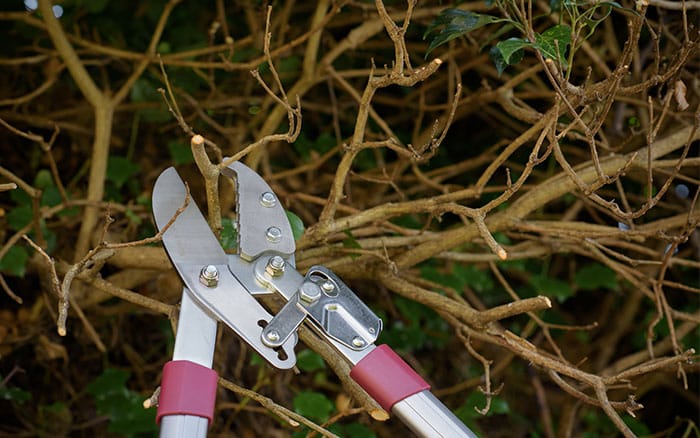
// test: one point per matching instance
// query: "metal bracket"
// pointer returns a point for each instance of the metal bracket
(331, 305)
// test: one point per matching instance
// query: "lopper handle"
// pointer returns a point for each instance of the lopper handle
(188, 387)
(400, 390)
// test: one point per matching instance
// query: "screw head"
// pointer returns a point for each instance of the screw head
(275, 266)
(273, 336)
(309, 293)
(358, 342)
(273, 234)
(268, 199)
(209, 276)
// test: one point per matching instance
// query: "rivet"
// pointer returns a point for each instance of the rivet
(268, 199)
(273, 234)
(329, 288)
(358, 341)
(273, 336)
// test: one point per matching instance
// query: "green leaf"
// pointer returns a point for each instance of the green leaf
(180, 153)
(19, 217)
(163, 48)
(51, 197)
(437, 275)
(313, 405)
(552, 287)
(123, 406)
(43, 179)
(552, 43)
(357, 430)
(20, 197)
(15, 261)
(119, 170)
(14, 394)
(512, 50)
(474, 277)
(229, 235)
(455, 23)
(596, 276)
(310, 361)
(296, 223)
(350, 241)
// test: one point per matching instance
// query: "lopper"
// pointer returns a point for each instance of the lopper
(223, 287)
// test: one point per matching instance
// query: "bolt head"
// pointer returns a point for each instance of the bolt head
(273, 234)
(309, 293)
(272, 336)
(268, 199)
(209, 276)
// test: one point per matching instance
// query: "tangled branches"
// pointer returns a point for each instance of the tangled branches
(526, 224)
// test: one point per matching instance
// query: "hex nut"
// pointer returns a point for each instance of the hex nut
(209, 276)
(275, 266)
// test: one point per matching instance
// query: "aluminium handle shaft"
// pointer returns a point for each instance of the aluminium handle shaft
(399, 389)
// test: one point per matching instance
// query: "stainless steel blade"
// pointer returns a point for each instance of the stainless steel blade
(189, 239)
(262, 221)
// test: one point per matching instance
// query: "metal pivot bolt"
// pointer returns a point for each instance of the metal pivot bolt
(209, 276)
(309, 293)
(268, 199)
(275, 266)
(273, 234)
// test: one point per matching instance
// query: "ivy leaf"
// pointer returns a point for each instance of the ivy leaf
(552, 287)
(119, 170)
(123, 406)
(595, 276)
(456, 23)
(310, 361)
(552, 43)
(43, 179)
(15, 261)
(296, 223)
(313, 405)
(19, 217)
(51, 197)
(512, 50)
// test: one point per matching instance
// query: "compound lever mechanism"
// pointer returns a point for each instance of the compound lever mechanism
(221, 287)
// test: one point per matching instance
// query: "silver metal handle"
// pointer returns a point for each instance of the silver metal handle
(195, 341)
(426, 416)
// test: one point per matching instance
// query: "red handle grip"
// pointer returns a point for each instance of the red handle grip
(187, 388)
(386, 377)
